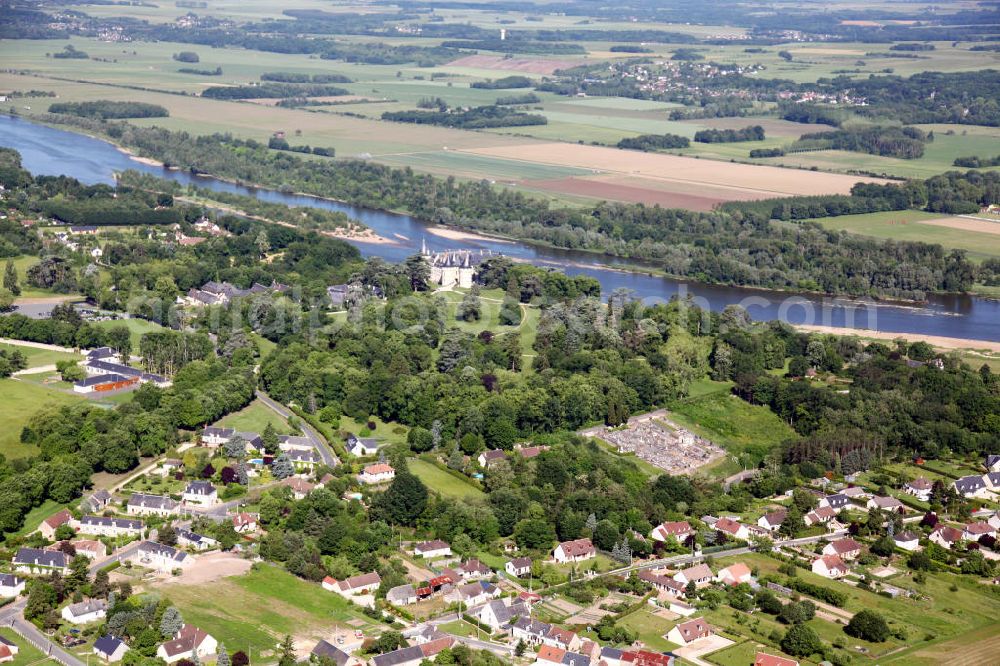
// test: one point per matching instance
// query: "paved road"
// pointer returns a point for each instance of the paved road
(328, 457)
(13, 616)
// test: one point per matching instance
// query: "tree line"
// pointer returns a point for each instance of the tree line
(109, 109)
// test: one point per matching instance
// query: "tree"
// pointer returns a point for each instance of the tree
(236, 447)
(222, 656)
(884, 546)
(797, 612)
(101, 585)
(470, 309)
(287, 650)
(869, 626)
(801, 640)
(240, 658)
(282, 467)
(404, 500)
(420, 439)
(605, 535)
(167, 535)
(270, 439)
(171, 622)
(10, 279)
(79, 574)
(418, 271)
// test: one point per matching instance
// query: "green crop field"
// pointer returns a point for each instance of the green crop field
(906, 226)
(255, 610)
(439, 481)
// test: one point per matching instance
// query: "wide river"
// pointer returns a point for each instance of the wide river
(50, 151)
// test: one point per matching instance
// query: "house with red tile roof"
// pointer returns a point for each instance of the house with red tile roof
(688, 632)
(55, 521)
(830, 566)
(846, 549)
(574, 551)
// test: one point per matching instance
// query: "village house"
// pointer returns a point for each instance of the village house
(472, 594)
(919, 488)
(735, 574)
(431, 549)
(946, 536)
(302, 460)
(125, 372)
(836, 502)
(328, 650)
(141, 504)
(971, 486)
(109, 648)
(97, 501)
(194, 541)
(10, 585)
(992, 463)
(52, 523)
(362, 446)
(300, 487)
(907, 540)
(295, 443)
(202, 493)
(855, 492)
(992, 480)
(8, 650)
(361, 584)
(486, 458)
(772, 521)
(414, 655)
(823, 515)
(846, 549)
(663, 584)
(574, 551)
(529, 452)
(85, 611)
(974, 531)
(89, 548)
(159, 556)
(994, 520)
(690, 631)
(245, 523)
(474, 570)
(37, 561)
(700, 574)
(189, 642)
(679, 530)
(550, 656)
(518, 567)
(829, 566)
(168, 467)
(646, 658)
(885, 504)
(401, 595)
(532, 632)
(764, 659)
(377, 473)
(732, 528)
(213, 436)
(110, 527)
(501, 612)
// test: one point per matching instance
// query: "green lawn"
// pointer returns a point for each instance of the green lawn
(651, 629)
(439, 481)
(255, 610)
(135, 326)
(19, 400)
(741, 654)
(27, 653)
(38, 357)
(732, 423)
(385, 433)
(254, 418)
(35, 517)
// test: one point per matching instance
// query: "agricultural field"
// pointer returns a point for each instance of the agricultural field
(978, 236)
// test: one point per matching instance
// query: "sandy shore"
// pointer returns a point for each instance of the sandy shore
(938, 341)
(359, 234)
(458, 234)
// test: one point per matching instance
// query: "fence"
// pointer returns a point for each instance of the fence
(47, 648)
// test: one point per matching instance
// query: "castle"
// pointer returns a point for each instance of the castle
(453, 268)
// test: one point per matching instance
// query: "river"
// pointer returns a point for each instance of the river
(50, 151)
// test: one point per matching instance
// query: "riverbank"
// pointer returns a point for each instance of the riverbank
(937, 341)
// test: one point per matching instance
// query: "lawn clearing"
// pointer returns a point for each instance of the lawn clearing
(135, 326)
(38, 357)
(19, 400)
(254, 418)
(650, 628)
(437, 480)
(254, 611)
(27, 653)
(732, 423)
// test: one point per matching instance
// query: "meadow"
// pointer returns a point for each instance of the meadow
(252, 612)
(39, 357)
(19, 400)
(254, 418)
(442, 482)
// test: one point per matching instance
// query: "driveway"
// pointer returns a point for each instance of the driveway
(701, 647)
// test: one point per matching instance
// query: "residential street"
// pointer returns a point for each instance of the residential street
(324, 451)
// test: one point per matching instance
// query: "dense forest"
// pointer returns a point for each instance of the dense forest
(719, 247)
(272, 90)
(109, 109)
(751, 133)
(903, 142)
(653, 142)
(480, 117)
(504, 83)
